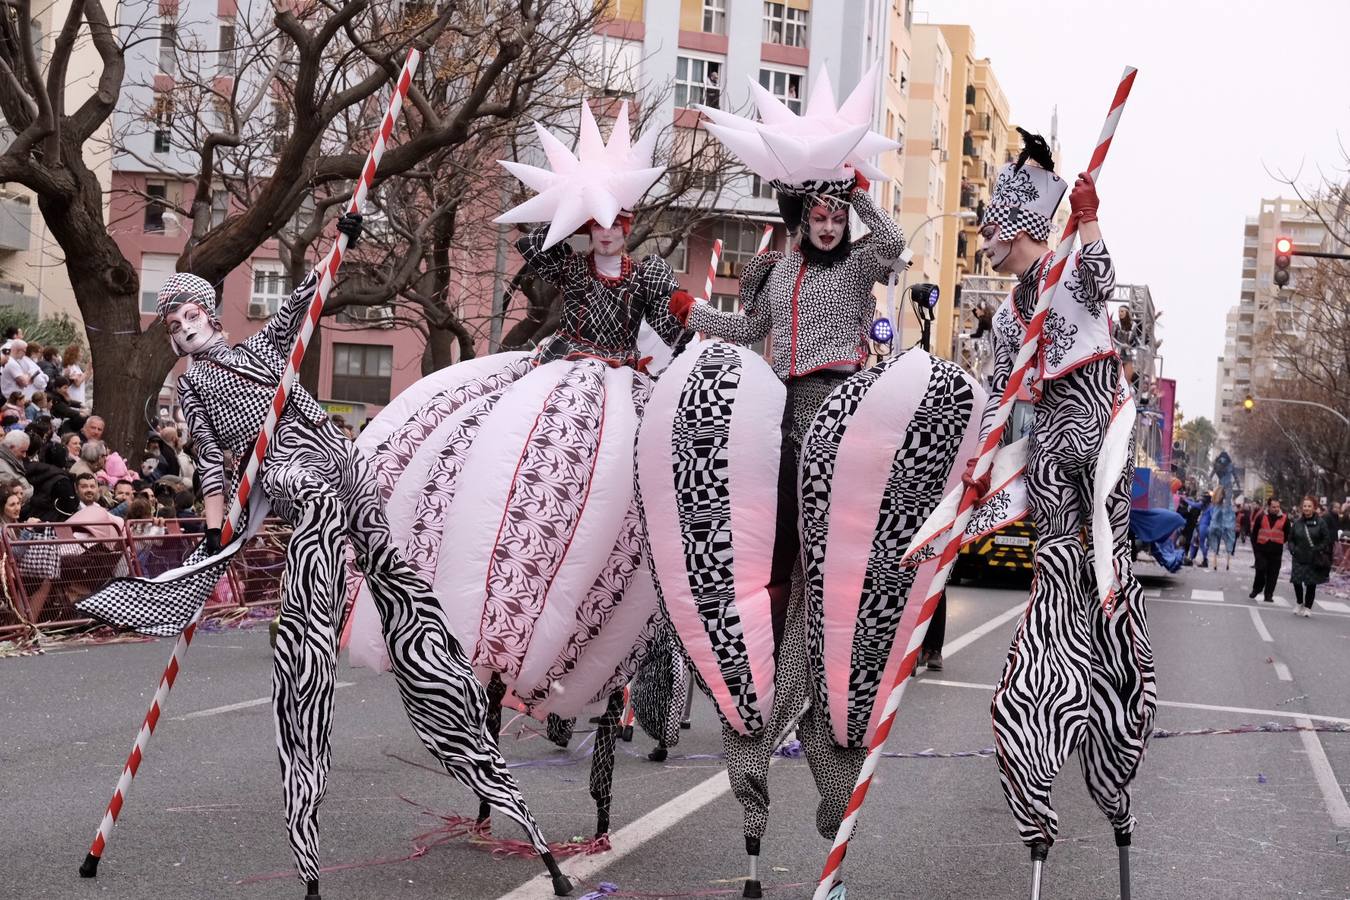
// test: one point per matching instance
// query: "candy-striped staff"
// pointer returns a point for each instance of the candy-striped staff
(89, 868)
(713, 259)
(914, 640)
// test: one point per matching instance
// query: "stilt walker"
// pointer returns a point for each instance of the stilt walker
(244, 399)
(1223, 520)
(784, 633)
(1079, 674)
(509, 478)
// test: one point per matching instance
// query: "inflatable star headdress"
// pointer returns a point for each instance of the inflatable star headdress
(598, 182)
(819, 145)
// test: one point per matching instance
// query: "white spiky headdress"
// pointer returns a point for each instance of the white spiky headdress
(819, 145)
(599, 182)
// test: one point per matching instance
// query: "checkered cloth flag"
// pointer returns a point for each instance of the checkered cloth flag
(164, 605)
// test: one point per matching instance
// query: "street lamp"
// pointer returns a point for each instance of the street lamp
(896, 315)
(1249, 404)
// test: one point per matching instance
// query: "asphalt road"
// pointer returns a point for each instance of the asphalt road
(1220, 816)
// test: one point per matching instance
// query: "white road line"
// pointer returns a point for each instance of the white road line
(1334, 605)
(1283, 602)
(1243, 710)
(970, 637)
(1282, 671)
(1260, 625)
(231, 707)
(1211, 603)
(1153, 592)
(1332, 795)
(671, 813)
(1206, 594)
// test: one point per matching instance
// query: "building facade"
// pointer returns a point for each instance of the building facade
(1262, 313)
(33, 276)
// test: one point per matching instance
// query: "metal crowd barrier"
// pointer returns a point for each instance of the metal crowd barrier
(48, 568)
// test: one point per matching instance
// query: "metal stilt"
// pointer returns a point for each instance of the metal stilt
(1039, 851)
(1123, 848)
(752, 889)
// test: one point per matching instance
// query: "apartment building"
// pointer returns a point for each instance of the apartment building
(927, 155)
(1261, 312)
(32, 265)
(174, 47)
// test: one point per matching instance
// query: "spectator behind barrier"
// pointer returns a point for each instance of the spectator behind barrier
(13, 468)
(54, 498)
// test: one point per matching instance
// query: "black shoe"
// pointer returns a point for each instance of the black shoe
(1252, 595)
(935, 662)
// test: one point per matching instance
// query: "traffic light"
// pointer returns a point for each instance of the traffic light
(1249, 403)
(1284, 249)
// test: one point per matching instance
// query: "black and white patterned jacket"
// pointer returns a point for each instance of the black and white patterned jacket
(1077, 325)
(601, 316)
(819, 315)
(226, 391)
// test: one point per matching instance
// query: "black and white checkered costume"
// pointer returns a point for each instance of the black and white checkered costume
(315, 478)
(819, 316)
(600, 315)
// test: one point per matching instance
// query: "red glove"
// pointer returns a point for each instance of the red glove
(860, 181)
(1083, 200)
(980, 487)
(681, 302)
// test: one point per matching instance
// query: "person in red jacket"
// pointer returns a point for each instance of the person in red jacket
(1270, 531)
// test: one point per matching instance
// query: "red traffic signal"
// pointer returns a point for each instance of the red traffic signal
(1284, 249)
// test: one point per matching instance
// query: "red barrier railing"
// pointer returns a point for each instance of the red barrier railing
(48, 568)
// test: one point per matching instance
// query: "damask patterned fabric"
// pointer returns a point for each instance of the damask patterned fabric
(819, 316)
(1024, 198)
(600, 315)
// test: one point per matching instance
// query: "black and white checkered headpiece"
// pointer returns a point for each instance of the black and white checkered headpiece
(1024, 198)
(832, 194)
(184, 287)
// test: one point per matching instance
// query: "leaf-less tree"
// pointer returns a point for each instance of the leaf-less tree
(291, 123)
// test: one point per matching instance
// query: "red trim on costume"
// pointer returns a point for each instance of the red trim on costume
(836, 364)
(796, 291)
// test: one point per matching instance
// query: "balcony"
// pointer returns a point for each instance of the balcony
(969, 197)
(970, 96)
(980, 123)
(16, 220)
(12, 297)
(968, 145)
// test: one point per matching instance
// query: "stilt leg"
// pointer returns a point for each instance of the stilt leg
(496, 690)
(752, 885)
(1123, 848)
(602, 761)
(1039, 851)
(562, 885)
(659, 753)
(312, 889)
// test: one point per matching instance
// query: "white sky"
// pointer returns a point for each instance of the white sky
(1202, 128)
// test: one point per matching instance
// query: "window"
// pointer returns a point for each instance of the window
(155, 270)
(162, 112)
(715, 16)
(785, 85)
(740, 242)
(226, 62)
(362, 372)
(784, 25)
(904, 74)
(761, 189)
(220, 207)
(155, 204)
(678, 259)
(168, 41)
(271, 285)
(697, 81)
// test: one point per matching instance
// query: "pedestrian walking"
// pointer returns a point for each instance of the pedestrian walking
(1270, 531)
(1244, 522)
(1310, 550)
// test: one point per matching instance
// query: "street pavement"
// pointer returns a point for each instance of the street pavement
(1220, 816)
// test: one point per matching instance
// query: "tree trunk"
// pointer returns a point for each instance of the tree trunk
(309, 366)
(129, 364)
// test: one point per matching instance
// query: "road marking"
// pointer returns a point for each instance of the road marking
(1335, 606)
(1332, 795)
(1206, 594)
(246, 704)
(970, 637)
(1281, 671)
(1260, 625)
(671, 813)
(1211, 603)
(1153, 592)
(1244, 710)
(1284, 604)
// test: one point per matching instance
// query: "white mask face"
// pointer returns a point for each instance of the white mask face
(996, 249)
(190, 329)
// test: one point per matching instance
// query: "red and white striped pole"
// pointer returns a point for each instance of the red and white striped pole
(765, 239)
(914, 640)
(89, 868)
(713, 260)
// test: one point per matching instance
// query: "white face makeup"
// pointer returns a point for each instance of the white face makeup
(607, 241)
(825, 227)
(996, 249)
(190, 329)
